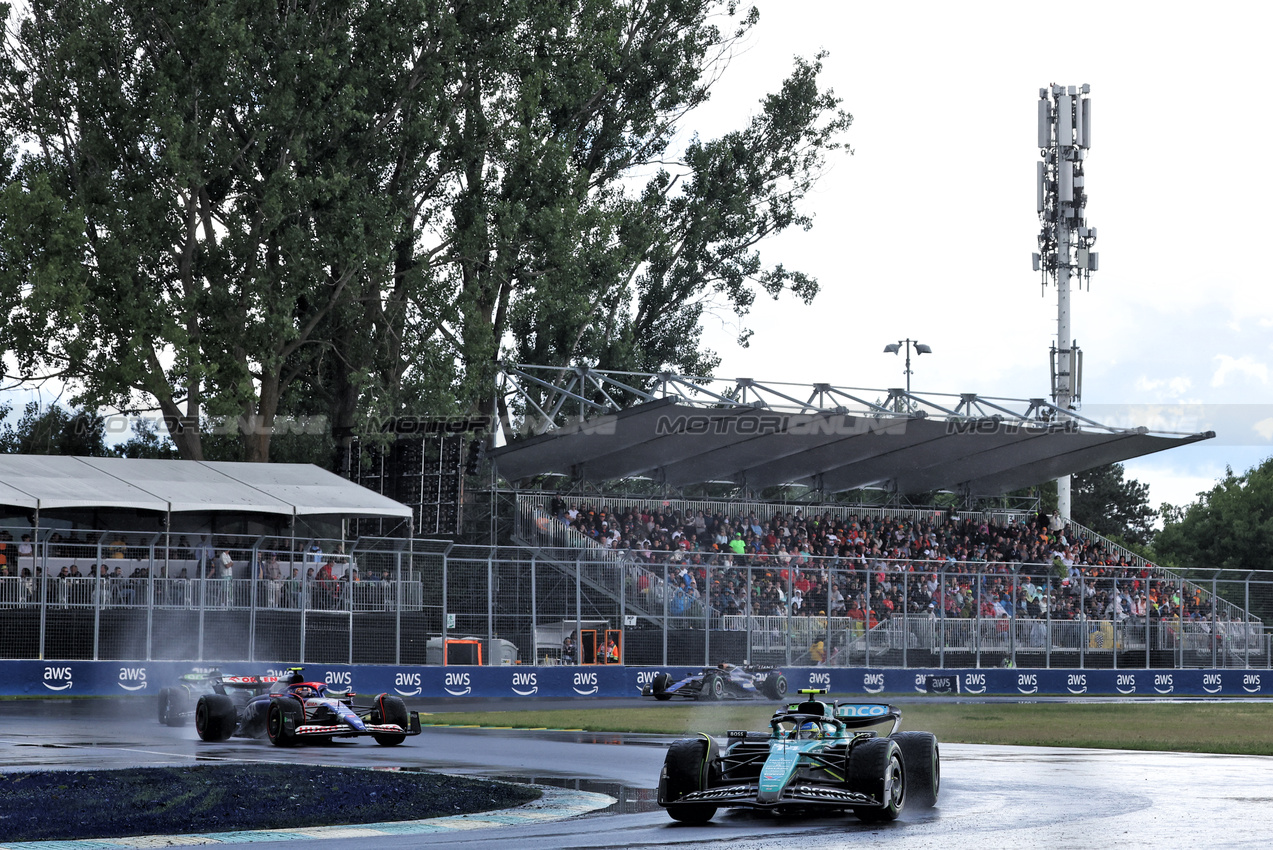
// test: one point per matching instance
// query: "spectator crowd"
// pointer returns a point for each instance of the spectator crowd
(872, 568)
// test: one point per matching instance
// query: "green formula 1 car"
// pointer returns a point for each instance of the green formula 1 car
(818, 756)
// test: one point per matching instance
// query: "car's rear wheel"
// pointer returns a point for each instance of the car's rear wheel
(281, 720)
(876, 769)
(686, 769)
(922, 758)
(390, 709)
(659, 685)
(775, 686)
(215, 717)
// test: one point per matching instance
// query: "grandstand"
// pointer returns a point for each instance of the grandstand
(950, 589)
(116, 566)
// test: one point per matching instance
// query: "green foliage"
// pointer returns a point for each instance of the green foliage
(1230, 526)
(1112, 507)
(238, 212)
(146, 442)
(54, 430)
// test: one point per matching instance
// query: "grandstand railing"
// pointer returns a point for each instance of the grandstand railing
(108, 594)
(410, 595)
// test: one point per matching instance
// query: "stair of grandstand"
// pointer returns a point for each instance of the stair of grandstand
(640, 591)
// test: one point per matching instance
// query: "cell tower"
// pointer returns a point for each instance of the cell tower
(1065, 240)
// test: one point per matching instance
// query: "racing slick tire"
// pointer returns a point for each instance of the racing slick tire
(659, 685)
(689, 766)
(774, 686)
(390, 709)
(877, 770)
(276, 716)
(713, 687)
(215, 717)
(922, 758)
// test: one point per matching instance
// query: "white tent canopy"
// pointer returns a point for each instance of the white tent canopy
(48, 482)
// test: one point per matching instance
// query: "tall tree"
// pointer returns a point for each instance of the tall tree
(1109, 505)
(1229, 527)
(238, 210)
(179, 225)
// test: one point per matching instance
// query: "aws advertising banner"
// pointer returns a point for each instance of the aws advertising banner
(123, 678)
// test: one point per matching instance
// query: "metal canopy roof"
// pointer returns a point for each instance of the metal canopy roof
(904, 443)
(46, 482)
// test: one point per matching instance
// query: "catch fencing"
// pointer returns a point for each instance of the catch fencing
(561, 599)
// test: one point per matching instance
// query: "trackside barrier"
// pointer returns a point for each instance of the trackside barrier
(119, 678)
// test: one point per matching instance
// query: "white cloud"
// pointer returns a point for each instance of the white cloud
(1264, 428)
(1244, 365)
(1174, 387)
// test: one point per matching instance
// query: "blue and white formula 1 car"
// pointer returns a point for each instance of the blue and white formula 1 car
(725, 681)
(291, 710)
(818, 756)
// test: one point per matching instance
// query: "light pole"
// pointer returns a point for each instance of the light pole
(920, 348)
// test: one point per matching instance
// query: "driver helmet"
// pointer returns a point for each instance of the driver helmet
(304, 691)
(810, 730)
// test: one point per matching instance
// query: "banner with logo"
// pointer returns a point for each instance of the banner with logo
(124, 678)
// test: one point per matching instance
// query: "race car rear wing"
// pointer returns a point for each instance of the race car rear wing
(852, 715)
(855, 716)
(248, 681)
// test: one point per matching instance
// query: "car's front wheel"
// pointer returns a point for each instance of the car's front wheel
(922, 758)
(281, 720)
(876, 769)
(215, 717)
(176, 709)
(390, 709)
(659, 685)
(686, 768)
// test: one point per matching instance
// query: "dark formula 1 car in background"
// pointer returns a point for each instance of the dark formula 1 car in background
(725, 681)
(817, 756)
(176, 703)
(290, 710)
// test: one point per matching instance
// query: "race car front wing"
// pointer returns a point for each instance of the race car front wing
(801, 794)
(342, 730)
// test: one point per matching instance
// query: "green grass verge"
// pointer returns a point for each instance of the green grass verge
(1203, 727)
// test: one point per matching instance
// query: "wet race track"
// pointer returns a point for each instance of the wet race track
(990, 797)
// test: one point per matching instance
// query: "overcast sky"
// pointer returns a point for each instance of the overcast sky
(926, 230)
